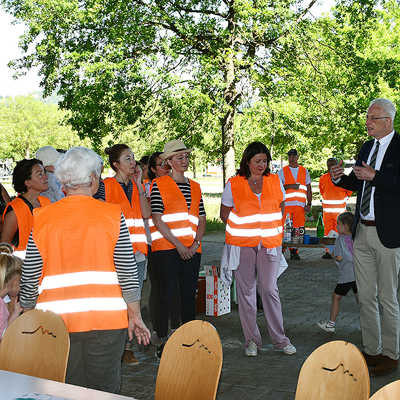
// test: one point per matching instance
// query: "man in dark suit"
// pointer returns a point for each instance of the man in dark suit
(376, 178)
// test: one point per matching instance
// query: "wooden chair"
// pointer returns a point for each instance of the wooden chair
(190, 364)
(36, 344)
(391, 391)
(335, 370)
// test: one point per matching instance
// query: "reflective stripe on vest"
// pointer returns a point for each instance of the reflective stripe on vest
(182, 222)
(300, 194)
(334, 198)
(132, 212)
(24, 221)
(81, 286)
(253, 220)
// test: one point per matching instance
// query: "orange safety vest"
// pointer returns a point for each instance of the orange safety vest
(24, 221)
(334, 198)
(253, 220)
(299, 194)
(132, 212)
(181, 221)
(76, 237)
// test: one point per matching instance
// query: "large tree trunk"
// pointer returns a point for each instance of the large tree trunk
(228, 120)
(228, 142)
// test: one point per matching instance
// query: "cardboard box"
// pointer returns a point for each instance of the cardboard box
(218, 293)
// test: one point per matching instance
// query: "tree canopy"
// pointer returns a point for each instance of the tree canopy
(194, 69)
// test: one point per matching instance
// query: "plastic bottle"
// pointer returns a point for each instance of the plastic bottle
(287, 230)
(320, 226)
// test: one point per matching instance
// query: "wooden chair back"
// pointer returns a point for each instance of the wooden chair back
(36, 344)
(335, 370)
(391, 391)
(190, 364)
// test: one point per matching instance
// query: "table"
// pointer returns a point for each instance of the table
(13, 385)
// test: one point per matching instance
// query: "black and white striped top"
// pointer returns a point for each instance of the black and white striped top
(124, 260)
(157, 204)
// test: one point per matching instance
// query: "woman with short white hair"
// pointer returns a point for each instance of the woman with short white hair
(79, 258)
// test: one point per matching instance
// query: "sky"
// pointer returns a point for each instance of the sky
(9, 51)
(30, 83)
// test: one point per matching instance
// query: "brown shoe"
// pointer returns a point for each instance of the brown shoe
(385, 366)
(129, 357)
(372, 361)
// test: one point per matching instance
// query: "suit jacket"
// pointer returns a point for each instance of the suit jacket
(387, 192)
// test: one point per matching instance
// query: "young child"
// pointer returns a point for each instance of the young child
(343, 253)
(10, 275)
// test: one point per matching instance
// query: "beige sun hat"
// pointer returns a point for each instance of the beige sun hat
(173, 148)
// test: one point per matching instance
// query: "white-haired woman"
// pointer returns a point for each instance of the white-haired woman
(80, 256)
(179, 224)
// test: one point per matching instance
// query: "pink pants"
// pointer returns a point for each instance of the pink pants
(258, 271)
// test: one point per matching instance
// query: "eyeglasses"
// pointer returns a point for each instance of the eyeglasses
(368, 118)
(182, 157)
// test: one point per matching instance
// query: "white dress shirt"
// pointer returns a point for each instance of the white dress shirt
(383, 145)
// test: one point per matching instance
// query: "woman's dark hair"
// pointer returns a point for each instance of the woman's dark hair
(114, 153)
(251, 150)
(347, 219)
(152, 164)
(23, 172)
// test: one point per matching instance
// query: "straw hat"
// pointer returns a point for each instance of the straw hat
(173, 148)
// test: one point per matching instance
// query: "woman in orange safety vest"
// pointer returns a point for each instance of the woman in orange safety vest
(126, 189)
(179, 224)
(80, 265)
(252, 207)
(29, 180)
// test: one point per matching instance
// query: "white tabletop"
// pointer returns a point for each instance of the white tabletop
(14, 385)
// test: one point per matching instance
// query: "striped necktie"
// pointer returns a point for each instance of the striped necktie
(368, 187)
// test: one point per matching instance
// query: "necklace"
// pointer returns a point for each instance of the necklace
(255, 182)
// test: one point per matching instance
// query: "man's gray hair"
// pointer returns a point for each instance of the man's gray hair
(75, 167)
(386, 105)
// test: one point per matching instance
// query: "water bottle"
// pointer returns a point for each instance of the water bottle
(287, 232)
(320, 226)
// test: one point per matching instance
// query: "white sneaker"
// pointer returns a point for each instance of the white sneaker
(289, 349)
(325, 326)
(251, 349)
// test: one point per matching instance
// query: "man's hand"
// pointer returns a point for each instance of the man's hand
(307, 208)
(364, 173)
(337, 171)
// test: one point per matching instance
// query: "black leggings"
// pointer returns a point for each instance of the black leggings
(175, 274)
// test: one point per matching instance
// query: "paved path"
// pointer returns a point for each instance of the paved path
(305, 290)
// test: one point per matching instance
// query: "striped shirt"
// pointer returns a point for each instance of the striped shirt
(157, 204)
(124, 260)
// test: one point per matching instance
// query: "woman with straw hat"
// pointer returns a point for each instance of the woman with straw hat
(179, 224)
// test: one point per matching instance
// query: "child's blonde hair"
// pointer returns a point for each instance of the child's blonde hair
(9, 264)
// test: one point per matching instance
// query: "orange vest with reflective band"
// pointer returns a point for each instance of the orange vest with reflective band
(132, 212)
(24, 220)
(299, 194)
(182, 222)
(334, 198)
(76, 237)
(252, 220)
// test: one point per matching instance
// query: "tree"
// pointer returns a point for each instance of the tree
(329, 72)
(27, 124)
(111, 60)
